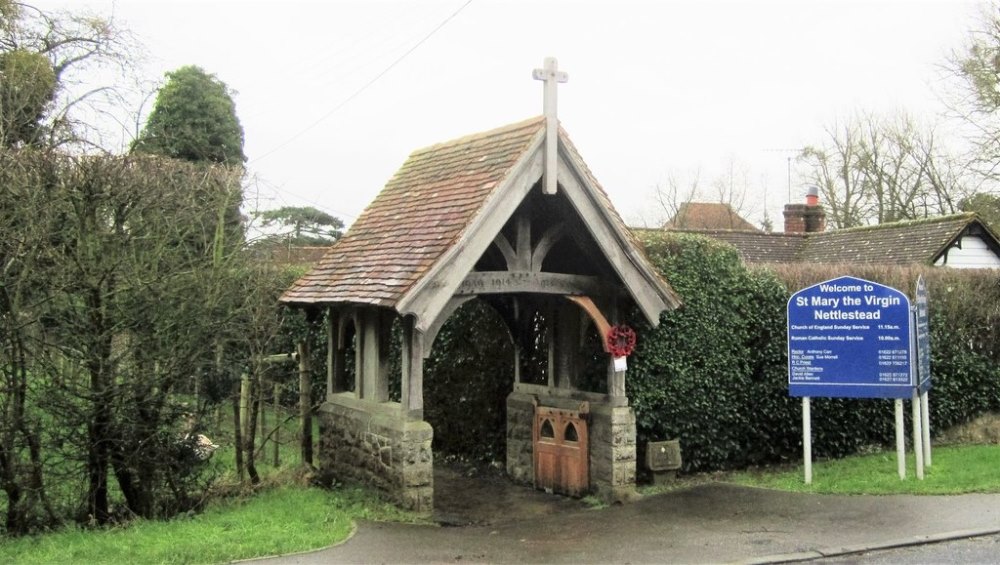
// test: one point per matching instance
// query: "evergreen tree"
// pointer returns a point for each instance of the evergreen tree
(194, 119)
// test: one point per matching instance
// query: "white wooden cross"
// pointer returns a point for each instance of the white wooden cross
(551, 74)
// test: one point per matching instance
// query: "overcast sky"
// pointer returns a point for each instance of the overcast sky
(655, 88)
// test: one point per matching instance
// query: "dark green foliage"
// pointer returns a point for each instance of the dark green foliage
(466, 382)
(194, 119)
(42, 51)
(697, 374)
(303, 225)
(714, 373)
(27, 87)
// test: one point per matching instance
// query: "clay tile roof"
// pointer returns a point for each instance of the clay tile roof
(914, 241)
(421, 213)
(917, 241)
(758, 246)
(708, 216)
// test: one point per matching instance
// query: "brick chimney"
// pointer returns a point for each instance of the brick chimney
(806, 218)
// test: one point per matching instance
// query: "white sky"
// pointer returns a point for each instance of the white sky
(656, 88)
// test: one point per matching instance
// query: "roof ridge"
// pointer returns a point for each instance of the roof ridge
(965, 216)
(754, 232)
(495, 132)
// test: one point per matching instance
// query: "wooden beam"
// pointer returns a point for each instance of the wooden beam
(641, 282)
(549, 238)
(523, 244)
(431, 334)
(507, 282)
(359, 354)
(331, 348)
(588, 306)
(509, 255)
(430, 294)
(412, 392)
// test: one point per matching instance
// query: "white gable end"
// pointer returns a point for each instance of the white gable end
(973, 253)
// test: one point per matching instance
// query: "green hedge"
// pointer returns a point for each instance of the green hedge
(714, 373)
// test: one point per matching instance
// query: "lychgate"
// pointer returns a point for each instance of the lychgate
(471, 219)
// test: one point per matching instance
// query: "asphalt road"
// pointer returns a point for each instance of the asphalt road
(973, 550)
(705, 524)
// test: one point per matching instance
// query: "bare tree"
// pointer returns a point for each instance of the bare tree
(674, 193)
(873, 170)
(47, 61)
(731, 189)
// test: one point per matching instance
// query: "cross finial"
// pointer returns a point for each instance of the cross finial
(551, 75)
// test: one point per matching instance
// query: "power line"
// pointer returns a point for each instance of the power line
(364, 86)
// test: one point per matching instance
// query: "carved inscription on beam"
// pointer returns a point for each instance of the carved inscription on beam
(506, 282)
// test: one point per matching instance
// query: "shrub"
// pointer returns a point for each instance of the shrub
(714, 373)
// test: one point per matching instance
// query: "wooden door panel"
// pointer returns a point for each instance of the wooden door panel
(561, 451)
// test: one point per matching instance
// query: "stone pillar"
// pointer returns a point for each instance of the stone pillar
(520, 418)
(376, 445)
(612, 452)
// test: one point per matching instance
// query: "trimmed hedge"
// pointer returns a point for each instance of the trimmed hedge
(714, 373)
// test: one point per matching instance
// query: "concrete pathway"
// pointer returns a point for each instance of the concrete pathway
(704, 524)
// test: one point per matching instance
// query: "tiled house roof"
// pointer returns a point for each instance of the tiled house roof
(708, 216)
(758, 246)
(408, 226)
(915, 241)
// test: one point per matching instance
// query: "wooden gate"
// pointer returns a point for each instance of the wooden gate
(560, 450)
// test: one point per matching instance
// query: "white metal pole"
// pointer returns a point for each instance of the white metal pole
(925, 416)
(807, 448)
(900, 440)
(918, 437)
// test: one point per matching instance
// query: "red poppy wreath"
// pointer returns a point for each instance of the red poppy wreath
(621, 340)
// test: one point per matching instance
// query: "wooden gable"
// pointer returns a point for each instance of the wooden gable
(414, 246)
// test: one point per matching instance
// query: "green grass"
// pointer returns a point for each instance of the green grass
(284, 520)
(956, 470)
(294, 519)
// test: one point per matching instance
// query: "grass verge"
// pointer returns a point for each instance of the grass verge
(282, 520)
(956, 469)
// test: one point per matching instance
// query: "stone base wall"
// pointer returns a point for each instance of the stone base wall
(375, 444)
(611, 439)
(612, 452)
(520, 418)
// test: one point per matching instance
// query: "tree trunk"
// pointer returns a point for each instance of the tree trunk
(237, 434)
(14, 521)
(277, 424)
(250, 437)
(99, 428)
(305, 403)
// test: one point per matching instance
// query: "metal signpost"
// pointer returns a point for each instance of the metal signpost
(921, 323)
(851, 338)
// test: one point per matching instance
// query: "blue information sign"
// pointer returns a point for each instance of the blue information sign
(849, 337)
(923, 335)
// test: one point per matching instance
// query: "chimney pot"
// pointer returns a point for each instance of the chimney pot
(812, 196)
